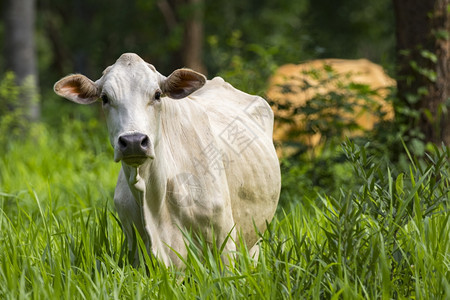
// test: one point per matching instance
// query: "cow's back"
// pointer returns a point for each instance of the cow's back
(243, 126)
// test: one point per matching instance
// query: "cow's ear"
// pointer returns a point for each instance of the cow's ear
(77, 88)
(182, 82)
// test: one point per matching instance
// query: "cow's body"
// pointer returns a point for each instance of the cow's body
(207, 162)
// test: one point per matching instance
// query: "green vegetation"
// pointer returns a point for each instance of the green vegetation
(382, 231)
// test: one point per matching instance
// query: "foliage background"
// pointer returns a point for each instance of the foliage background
(249, 36)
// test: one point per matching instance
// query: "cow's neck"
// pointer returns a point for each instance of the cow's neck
(156, 174)
(148, 181)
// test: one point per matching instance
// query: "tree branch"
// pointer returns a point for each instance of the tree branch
(168, 14)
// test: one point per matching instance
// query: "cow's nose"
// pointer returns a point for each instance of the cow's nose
(136, 144)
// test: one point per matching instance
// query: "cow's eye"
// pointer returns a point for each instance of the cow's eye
(157, 95)
(105, 99)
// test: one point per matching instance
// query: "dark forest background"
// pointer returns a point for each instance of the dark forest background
(244, 41)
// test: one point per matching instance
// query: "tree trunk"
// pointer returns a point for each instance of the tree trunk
(423, 44)
(20, 53)
(189, 14)
(193, 38)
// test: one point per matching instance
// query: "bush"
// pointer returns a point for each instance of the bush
(12, 112)
(246, 66)
(307, 174)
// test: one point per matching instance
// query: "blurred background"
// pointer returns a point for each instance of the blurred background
(243, 41)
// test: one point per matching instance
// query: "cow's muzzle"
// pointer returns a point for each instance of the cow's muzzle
(135, 148)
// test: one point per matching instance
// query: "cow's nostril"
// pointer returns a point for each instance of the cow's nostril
(123, 142)
(145, 142)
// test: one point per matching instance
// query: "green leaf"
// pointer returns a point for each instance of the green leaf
(429, 55)
(442, 34)
(399, 184)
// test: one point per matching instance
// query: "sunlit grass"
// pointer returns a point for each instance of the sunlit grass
(60, 239)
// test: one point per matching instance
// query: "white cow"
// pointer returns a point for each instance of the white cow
(196, 155)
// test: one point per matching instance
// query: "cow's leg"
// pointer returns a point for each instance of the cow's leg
(254, 251)
(130, 213)
(228, 255)
(226, 233)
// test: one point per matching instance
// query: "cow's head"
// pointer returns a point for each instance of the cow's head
(131, 92)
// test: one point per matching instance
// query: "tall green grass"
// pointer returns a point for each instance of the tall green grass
(386, 237)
